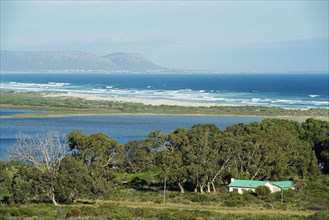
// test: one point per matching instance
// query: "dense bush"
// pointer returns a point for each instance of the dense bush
(262, 191)
(320, 216)
(73, 213)
(234, 200)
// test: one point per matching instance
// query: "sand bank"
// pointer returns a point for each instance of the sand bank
(154, 102)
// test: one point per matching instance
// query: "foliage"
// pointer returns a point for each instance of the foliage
(124, 211)
(262, 191)
(234, 200)
(200, 159)
(317, 132)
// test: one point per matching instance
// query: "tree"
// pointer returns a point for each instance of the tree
(171, 158)
(98, 153)
(45, 153)
(173, 169)
(73, 180)
(22, 185)
(7, 173)
(136, 156)
(202, 155)
(272, 149)
(317, 133)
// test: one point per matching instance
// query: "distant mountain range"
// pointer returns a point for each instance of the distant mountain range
(73, 61)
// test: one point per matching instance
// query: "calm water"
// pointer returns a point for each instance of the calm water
(280, 90)
(119, 127)
(11, 112)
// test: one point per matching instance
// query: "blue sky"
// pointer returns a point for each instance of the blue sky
(222, 35)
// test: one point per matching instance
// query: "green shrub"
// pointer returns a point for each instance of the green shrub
(281, 206)
(320, 216)
(73, 213)
(200, 198)
(262, 191)
(138, 212)
(174, 194)
(317, 206)
(234, 200)
(249, 196)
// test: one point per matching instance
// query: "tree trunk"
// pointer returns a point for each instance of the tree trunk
(208, 187)
(181, 188)
(259, 169)
(53, 199)
(213, 187)
(201, 189)
(164, 189)
(196, 188)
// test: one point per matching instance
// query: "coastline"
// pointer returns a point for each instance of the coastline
(154, 102)
(161, 71)
(62, 105)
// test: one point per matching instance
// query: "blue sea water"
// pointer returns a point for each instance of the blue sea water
(120, 127)
(277, 90)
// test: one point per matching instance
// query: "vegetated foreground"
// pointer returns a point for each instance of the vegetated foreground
(61, 106)
(182, 175)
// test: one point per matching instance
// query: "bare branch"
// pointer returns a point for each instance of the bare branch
(45, 151)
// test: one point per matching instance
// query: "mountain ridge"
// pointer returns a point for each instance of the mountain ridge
(75, 61)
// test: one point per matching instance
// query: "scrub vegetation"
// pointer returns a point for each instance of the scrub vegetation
(61, 106)
(182, 175)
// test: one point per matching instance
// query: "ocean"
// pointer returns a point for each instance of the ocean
(276, 90)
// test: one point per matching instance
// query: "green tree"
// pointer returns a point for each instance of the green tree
(45, 153)
(33, 185)
(74, 180)
(170, 158)
(317, 133)
(271, 149)
(98, 152)
(201, 155)
(137, 155)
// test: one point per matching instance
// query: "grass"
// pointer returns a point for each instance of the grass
(147, 210)
(62, 106)
(124, 202)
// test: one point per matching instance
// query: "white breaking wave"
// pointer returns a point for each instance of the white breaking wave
(314, 96)
(187, 95)
(36, 87)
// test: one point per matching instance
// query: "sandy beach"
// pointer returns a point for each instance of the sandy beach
(154, 102)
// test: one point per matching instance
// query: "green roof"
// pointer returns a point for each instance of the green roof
(247, 183)
(255, 183)
(284, 184)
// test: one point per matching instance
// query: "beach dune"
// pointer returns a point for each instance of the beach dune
(154, 102)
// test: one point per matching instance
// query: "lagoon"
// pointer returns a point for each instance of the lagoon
(120, 127)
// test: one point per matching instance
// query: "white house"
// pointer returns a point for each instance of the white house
(244, 185)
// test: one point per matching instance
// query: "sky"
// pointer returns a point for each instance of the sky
(208, 35)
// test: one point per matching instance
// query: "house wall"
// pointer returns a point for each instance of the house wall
(272, 187)
(239, 189)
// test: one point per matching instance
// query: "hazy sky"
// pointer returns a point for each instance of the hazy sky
(223, 35)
